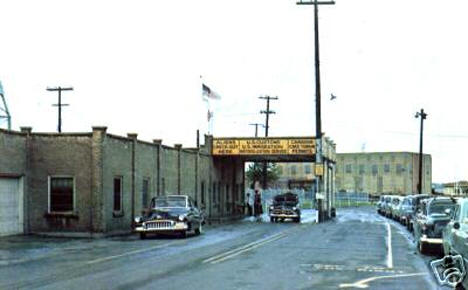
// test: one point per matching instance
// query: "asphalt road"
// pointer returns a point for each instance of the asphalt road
(359, 249)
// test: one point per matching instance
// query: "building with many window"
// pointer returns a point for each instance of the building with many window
(374, 173)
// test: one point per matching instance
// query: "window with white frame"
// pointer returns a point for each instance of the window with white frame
(61, 193)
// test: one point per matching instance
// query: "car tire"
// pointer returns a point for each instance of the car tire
(297, 220)
(422, 247)
(142, 236)
(199, 230)
(272, 219)
(183, 234)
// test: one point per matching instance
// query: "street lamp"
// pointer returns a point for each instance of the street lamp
(423, 116)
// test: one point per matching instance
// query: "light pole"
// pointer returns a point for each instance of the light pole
(318, 111)
(423, 116)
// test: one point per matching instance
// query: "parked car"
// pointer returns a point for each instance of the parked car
(415, 203)
(285, 206)
(403, 209)
(431, 220)
(381, 203)
(455, 234)
(393, 208)
(386, 205)
(170, 214)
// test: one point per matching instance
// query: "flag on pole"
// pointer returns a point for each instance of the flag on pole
(209, 93)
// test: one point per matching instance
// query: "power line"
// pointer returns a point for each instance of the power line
(59, 105)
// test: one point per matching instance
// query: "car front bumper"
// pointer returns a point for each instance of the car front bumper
(161, 226)
(281, 215)
(435, 241)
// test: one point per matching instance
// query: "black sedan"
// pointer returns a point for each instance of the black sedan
(170, 214)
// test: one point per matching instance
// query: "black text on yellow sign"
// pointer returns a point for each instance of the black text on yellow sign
(264, 146)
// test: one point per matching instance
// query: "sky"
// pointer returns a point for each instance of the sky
(135, 67)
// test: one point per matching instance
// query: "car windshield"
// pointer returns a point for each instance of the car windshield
(440, 207)
(172, 201)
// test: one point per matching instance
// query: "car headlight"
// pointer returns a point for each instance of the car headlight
(138, 219)
(294, 208)
(181, 218)
(272, 207)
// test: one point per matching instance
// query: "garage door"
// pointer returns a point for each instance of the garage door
(10, 220)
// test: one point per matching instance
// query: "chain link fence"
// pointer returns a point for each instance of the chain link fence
(350, 199)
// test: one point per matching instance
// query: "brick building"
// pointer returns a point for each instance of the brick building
(95, 183)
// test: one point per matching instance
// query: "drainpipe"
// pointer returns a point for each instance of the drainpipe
(133, 137)
(158, 143)
(26, 197)
(179, 149)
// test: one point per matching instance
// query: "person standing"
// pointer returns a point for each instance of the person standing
(258, 210)
(248, 205)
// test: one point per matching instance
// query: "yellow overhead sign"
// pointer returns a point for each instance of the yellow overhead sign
(264, 146)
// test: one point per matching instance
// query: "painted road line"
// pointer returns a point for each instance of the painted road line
(247, 249)
(237, 251)
(133, 252)
(389, 247)
(364, 283)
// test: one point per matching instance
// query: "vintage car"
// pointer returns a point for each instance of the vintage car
(455, 234)
(285, 206)
(404, 210)
(430, 221)
(170, 214)
(387, 204)
(381, 203)
(415, 205)
(394, 206)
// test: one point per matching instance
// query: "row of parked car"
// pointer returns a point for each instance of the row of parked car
(434, 220)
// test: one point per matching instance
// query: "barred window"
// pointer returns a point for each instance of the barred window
(293, 169)
(61, 194)
(375, 169)
(144, 193)
(386, 168)
(361, 169)
(118, 194)
(203, 192)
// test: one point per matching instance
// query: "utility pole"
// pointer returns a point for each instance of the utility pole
(423, 116)
(59, 105)
(4, 109)
(318, 110)
(256, 128)
(267, 113)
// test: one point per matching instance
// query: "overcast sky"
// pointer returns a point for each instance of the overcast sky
(136, 65)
